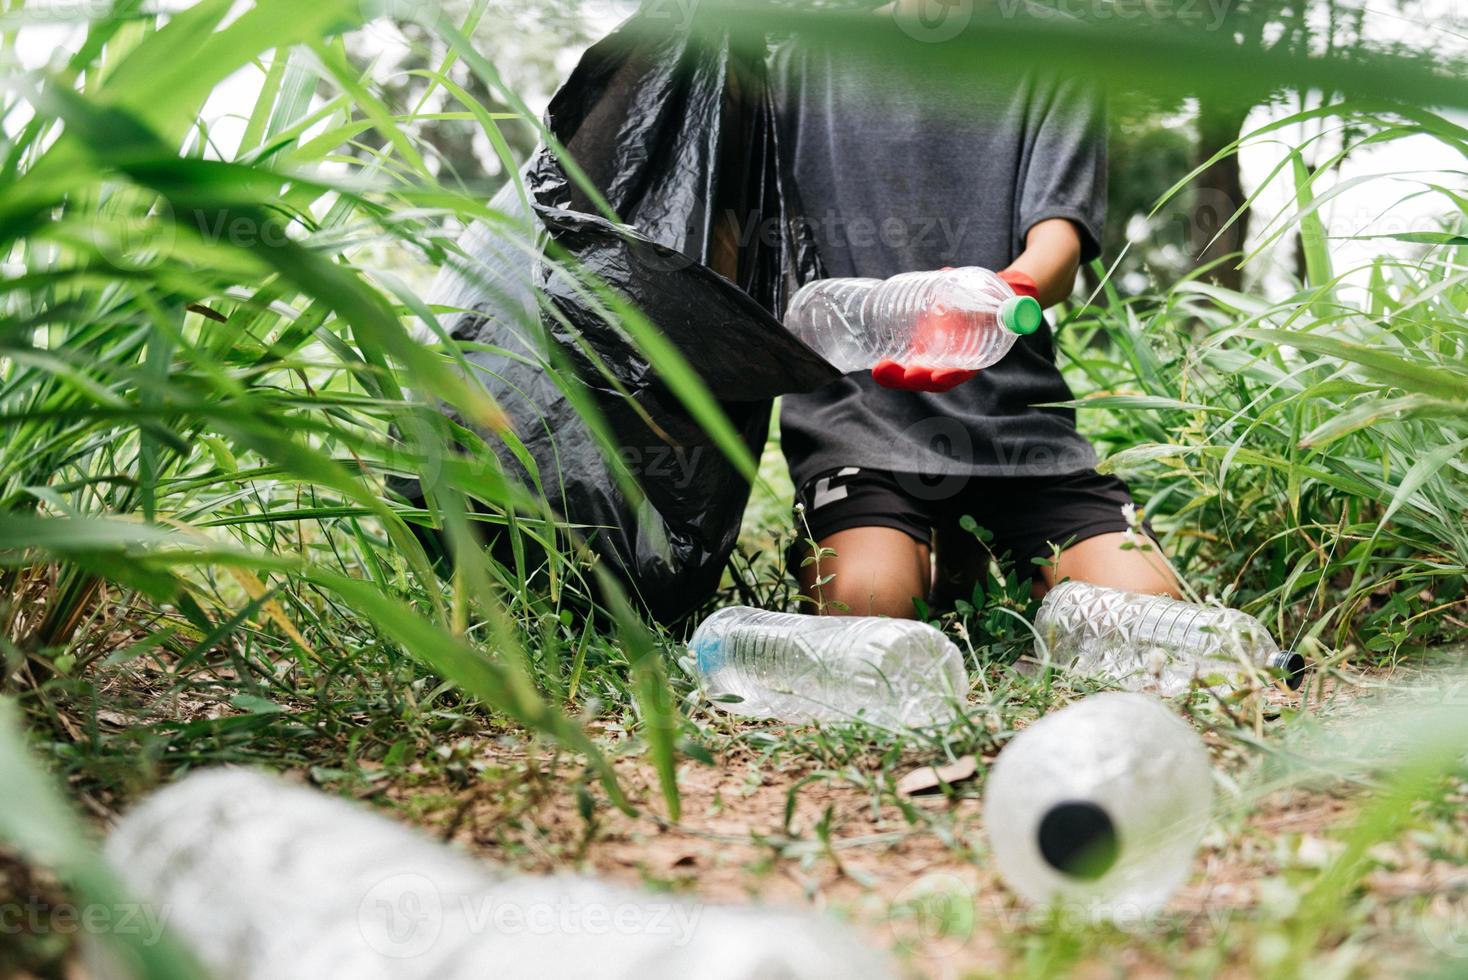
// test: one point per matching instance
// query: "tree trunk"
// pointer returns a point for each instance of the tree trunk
(1219, 192)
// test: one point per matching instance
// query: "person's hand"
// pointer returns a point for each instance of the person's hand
(933, 331)
(1022, 284)
(916, 377)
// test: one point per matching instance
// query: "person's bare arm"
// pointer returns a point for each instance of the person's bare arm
(1051, 257)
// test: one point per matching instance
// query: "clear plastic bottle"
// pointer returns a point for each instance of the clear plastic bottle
(828, 668)
(263, 879)
(965, 318)
(1099, 807)
(1156, 643)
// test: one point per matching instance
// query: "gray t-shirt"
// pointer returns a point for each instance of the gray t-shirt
(899, 171)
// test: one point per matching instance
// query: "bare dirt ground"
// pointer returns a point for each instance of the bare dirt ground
(789, 819)
(919, 884)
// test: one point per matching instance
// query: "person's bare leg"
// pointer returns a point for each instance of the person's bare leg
(1101, 560)
(877, 572)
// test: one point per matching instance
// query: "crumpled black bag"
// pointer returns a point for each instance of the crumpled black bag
(676, 129)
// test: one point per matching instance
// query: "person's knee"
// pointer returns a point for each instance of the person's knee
(851, 588)
(1117, 561)
(875, 599)
(867, 572)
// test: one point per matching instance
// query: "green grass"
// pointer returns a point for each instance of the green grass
(210, 367)
(1306, 454)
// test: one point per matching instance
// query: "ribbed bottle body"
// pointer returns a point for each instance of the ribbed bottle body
(828, 668)
(1149, 642)
(946, 319)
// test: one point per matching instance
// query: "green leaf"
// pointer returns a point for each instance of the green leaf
(1417, 238)
(1414, 376)
(1422, 471)
(36, 821)
(256, 705)
(661, 722)
(1373, 410)
(1314, 240)
(1150, 403)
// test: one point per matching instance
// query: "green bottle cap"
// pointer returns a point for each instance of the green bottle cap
(1021, 314)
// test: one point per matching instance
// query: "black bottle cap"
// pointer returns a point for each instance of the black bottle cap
(1292, 665)
(1077, 838)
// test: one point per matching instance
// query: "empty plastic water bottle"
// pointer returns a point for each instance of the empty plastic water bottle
(266, 880)
(1099, 807)
(1156, 643)
(828, 668)
(964, 318)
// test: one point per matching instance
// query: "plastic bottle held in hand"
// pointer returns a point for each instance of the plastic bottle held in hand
(966, 318)
(1149, 642)
(1099, 807)
(828, 668)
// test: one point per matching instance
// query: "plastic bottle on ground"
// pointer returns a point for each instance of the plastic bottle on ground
(801, 668)
(1098, 808)
(1156, 643)
(268, 880)
(966, 318)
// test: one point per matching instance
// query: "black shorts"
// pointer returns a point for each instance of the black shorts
(1025, 515)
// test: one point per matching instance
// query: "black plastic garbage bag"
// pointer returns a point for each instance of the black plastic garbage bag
(676, 129)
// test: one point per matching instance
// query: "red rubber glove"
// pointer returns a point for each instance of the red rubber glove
(933, 331)
(1021, 283)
